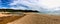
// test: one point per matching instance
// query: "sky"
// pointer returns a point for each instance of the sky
(39, 5)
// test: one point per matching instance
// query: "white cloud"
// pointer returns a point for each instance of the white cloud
(18, 8)
(49, 5)
(30, 3)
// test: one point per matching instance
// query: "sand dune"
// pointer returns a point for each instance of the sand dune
(6, 18)
(33, 18)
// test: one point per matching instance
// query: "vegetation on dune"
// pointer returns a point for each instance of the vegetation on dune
(11, 10)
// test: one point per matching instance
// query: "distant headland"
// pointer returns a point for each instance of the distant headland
(12, 10)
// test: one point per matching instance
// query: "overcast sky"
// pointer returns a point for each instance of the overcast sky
(40, 5)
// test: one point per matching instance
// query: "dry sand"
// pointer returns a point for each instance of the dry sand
(33, 18)
(30, 18)
(6, 18)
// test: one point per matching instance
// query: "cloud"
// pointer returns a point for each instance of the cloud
(51, 3)
(29, 4)
(40, 5)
